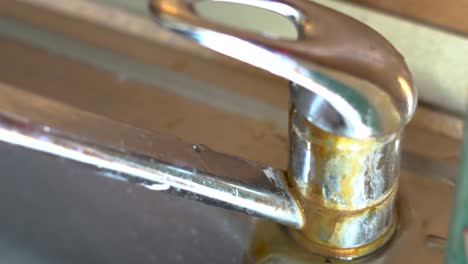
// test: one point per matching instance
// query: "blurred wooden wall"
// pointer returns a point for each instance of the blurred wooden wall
(448, 14)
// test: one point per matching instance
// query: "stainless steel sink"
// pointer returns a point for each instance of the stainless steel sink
(56, 213)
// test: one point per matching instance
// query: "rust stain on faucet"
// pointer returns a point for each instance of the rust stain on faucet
(347, 188)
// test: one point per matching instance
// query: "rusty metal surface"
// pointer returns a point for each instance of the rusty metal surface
(423, 205)
(344, 184)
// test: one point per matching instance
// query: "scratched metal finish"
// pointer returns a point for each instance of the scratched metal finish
(347, 187)
(150, 160)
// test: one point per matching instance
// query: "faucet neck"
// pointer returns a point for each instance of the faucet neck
(343, 184)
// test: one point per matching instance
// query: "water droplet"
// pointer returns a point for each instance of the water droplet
(198, 148)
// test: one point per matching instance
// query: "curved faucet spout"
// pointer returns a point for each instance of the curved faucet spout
(350, 71)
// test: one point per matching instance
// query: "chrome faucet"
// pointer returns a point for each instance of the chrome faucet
(351, 96)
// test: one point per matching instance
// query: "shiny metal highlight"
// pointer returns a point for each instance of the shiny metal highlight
(149, 160)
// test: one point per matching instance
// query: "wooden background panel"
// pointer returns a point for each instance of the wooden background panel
(448, 14)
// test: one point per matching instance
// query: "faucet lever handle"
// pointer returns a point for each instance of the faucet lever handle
(347, 79)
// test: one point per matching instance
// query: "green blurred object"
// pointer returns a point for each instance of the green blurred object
(455, 252)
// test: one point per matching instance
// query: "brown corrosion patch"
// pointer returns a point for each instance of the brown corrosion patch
(346, 186)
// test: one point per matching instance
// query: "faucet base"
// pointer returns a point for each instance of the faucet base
(346, 253)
